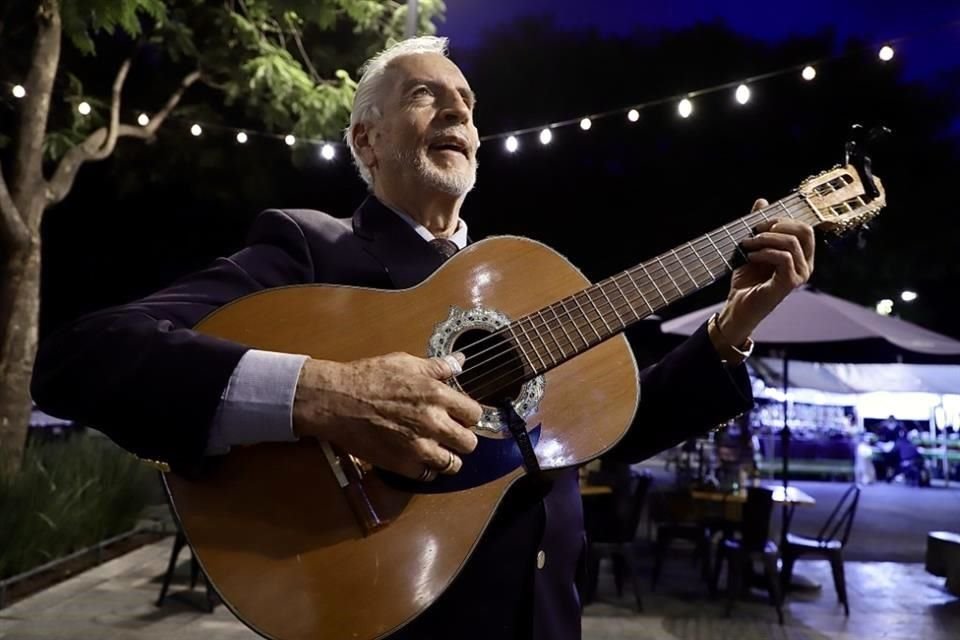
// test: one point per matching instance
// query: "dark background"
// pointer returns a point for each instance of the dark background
(606, 198)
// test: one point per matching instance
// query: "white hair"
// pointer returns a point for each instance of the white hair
(369, 94)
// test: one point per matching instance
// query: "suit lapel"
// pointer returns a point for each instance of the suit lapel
(404, 254)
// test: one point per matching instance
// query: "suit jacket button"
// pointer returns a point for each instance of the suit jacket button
(541, 559)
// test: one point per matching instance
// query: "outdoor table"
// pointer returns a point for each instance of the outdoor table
(790, 497)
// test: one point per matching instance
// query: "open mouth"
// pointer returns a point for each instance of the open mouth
(450, 144)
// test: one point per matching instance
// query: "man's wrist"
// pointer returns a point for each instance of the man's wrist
(730, 352)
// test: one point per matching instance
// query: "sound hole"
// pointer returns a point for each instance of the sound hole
(493, 372)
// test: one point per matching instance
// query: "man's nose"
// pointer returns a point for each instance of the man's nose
(456, 111)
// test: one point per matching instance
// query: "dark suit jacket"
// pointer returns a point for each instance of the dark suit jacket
(140, 374)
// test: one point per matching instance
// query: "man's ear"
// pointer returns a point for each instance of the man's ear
(362, 141)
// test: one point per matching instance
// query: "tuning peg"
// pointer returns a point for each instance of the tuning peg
(856, 154)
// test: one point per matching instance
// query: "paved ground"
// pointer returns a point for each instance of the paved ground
(891, 601)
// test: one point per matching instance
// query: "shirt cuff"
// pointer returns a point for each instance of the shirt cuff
(257, 404)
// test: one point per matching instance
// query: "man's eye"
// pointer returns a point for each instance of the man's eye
(421, 91)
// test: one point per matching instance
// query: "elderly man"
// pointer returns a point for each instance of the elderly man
(163, 391)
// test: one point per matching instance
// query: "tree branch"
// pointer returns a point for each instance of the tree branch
(111, 140)
(35, 106)
(13, 232)
(306, 58)
(102, 142)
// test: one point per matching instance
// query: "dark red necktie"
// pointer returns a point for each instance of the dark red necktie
(444, 246)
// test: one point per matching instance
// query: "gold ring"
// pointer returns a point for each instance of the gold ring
(451, 463)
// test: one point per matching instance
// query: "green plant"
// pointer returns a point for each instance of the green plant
(68, 495)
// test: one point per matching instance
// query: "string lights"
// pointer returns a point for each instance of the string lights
(684, 104)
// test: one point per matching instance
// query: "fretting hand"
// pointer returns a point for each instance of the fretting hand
(779, 260)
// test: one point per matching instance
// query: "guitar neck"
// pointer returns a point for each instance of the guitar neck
(552, 335)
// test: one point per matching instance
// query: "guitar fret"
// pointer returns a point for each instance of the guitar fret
(664, 267)
(546, 323)
(522, 350)
(623, 324)
(532, 344)
(676, 257)
(736, 244)
(563, 327)
(602, 319)
(576, 325)
(784, 207)
(636, 316)
(654, 283)
(640, 291)
(719, 253)
(585, 316)
(700, 258)
(535, 329)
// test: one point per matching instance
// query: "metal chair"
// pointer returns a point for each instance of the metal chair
(612, 530)
(754, 544)
(179, 542)
(829, 543)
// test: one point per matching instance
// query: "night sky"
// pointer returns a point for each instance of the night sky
(931, 47)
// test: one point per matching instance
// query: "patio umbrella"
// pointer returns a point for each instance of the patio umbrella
(813, 326)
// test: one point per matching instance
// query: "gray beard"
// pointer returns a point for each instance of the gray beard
(455, 183)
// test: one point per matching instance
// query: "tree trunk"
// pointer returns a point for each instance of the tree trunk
(19, 316)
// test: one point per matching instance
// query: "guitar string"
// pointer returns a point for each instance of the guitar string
(608, 305)
(655, 276)
(687, 251)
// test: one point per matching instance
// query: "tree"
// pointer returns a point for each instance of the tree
(284, 61)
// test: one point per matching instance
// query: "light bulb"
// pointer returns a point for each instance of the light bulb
(743, 94)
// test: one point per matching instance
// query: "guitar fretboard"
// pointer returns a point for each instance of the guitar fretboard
(552, 335)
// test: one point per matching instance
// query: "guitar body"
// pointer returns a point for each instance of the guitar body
(274, 530)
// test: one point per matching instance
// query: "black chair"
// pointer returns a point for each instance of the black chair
(611, 523)
(828, 543)
(754, 544)
(179, 542)
(677, 517)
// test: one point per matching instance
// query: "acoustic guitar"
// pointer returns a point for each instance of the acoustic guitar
(303, 541)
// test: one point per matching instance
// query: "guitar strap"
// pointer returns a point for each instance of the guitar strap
(518, 429)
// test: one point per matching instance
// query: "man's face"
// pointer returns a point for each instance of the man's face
(426, 133)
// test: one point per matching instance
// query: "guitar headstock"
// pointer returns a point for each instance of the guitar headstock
(841, 200)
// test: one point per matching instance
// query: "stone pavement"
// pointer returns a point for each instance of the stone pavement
(115, 601)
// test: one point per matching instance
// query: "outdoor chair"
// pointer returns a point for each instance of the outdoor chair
(753, 544)
(612, 529)
(179, 542)
(676, 516)
(828, 543)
